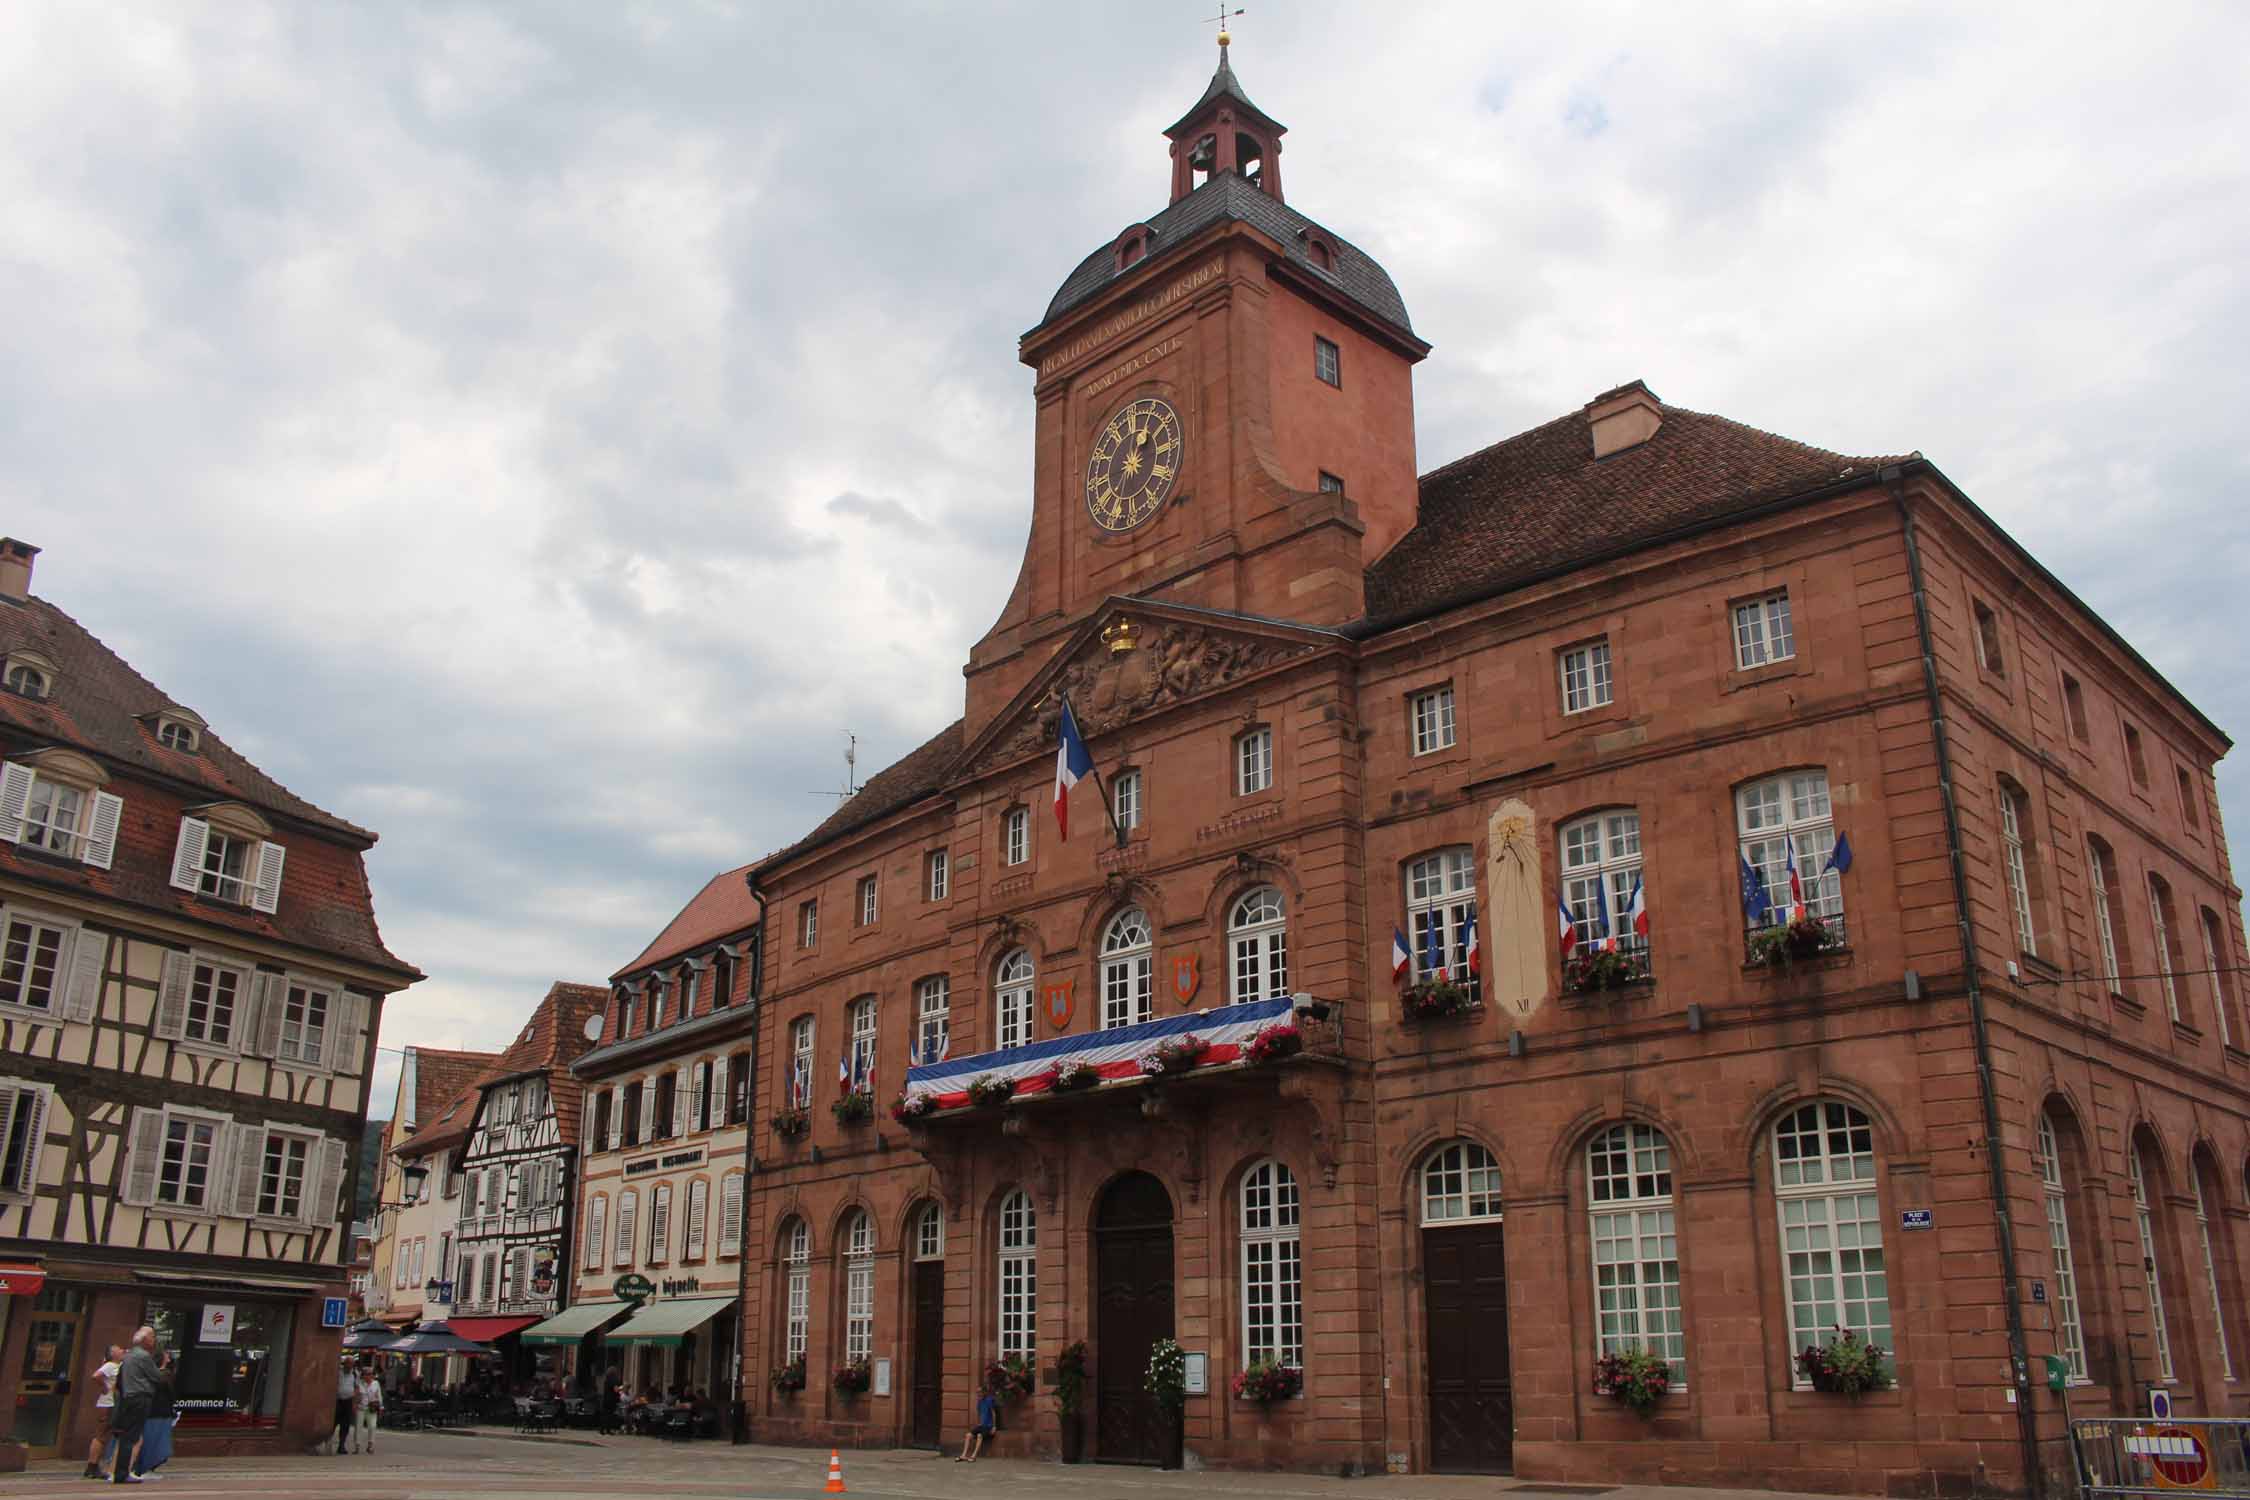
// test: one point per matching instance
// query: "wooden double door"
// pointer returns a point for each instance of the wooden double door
(1472, 1404)
(1133, 1284)
(926, 1419)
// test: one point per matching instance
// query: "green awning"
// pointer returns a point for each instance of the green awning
(667, 1324)
(574, 1323)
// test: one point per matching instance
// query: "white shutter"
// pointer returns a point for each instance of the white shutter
(15, 796)
(144, 1156)
(616, 1118)
(32, 1101)
(247, 1149)
(272, 992)
(698, 1207)
(348, 1050)
(519, 1270)
(172, 994)
(649, 1086)
(597, 1232)
(88, 951)
(265, 893)
(320, 1208)
(101, 831)
(585, 1123)
(730, 1214)
(187, 854)
(628, 1209)
(702, 1095)
(718, 1092)
(660, 1223)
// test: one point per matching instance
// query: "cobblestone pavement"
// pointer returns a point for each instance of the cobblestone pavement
(580, 1466)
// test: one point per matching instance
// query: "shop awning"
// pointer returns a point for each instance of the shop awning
(667, 1324)
(485, 1330)
(574, 1323)
(226, 1283)
(19, 1280)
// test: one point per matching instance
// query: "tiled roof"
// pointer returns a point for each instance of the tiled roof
(552, 1039)
(1540, 503)
(1227, 195)
(914, 776)
(439, 1075)
(100, 704)
(724, 905)
(449, 1128)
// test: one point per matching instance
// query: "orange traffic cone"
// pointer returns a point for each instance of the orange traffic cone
(835, 1485)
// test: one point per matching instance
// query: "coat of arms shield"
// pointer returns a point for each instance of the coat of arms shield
(1187, 977)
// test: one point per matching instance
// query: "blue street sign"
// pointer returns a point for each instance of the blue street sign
(335, 1312)
(1914, 1218)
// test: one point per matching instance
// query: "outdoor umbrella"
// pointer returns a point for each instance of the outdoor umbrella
(434, 1338)
(372, 1335)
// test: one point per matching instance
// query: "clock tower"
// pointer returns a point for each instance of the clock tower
(1225, 410)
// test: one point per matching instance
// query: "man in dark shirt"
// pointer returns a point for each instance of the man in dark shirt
(136, 1392)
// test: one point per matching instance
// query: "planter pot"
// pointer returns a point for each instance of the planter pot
(1073, 1438)
(1174, 1455)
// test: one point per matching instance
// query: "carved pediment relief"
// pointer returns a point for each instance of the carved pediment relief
(1136, 664)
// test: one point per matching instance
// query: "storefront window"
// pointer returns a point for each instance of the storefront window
(234, 1358)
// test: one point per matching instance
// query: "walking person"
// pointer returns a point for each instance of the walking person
(136, 1394)
(370, 1408)
(156, 1435)
(347, 1404)
(105, 1401)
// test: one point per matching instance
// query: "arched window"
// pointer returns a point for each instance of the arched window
(1441, 900)
(1785, 823)
(1258, 937)
(929, 1233)
(1019, 1276)
(933, 1018)
(27, 680)
(1831, 1225)
(2196, 1176)
(2144, 1223)
(2070, 1332)
(1273, 1294)
(859, 1286)
(860, 1060)
(1601, 869)
(1128, 964)
(2167, 943)
(1011, 999)
(628, 1221)
(2222, 988)
(2016, 856)
(2109, 909)
(796, 1256)
(1460, 1184)
(1636, 1245)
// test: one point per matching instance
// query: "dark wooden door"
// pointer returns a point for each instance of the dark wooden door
(1132, 1310)
(929, 1354)
(1472, 1410)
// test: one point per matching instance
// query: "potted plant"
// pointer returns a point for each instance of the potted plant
(1636, 1378)
(854, 1376)
(792, 1122)
(1589, 970)
(1435, 1000)
(913, 1110)
(1266, 1381)
(1175, 1056)
(1781, 945)
(1011, 1379)
(1070, 1399)
(854, 1107)
(1847, 1364)
(1167, 1382)
(1274, 1043)
(985, 1089)
(1071, 1076)
(788, 1379)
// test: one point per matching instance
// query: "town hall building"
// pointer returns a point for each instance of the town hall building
(1648, 896)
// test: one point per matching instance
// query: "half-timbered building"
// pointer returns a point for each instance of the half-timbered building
(411, 1275)
(190, 983)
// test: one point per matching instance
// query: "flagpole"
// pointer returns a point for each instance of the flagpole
(1096, 772)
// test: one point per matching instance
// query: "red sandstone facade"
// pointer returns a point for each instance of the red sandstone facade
(1937, 689)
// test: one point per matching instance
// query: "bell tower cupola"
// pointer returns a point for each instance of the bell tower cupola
(1225, 132)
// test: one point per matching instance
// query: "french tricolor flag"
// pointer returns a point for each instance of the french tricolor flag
(1569, 928)
(1401, 959)
(1796, 883)
(1636, 911)
(1072, 761)
(1473, 959)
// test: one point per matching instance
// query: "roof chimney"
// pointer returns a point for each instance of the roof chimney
(15, 568)
(1623, 418)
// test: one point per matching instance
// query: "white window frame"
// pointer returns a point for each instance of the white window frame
(597, 1231)
(1635, 1241)
(314, 1055)
(808, 923)
(929, 1232)
(859, 1287)
(1585, 673)
(2207, 922)
(860, 1050)
(23, 1106)
(1128, 970)
(1328, 361)
(2163, 932)
(2013, 807)
(1829, 1212)
(57, 822)
(1273, 1276)
(308, 1175)
(1125, 799)
(1258, 946)
(1253, 761)
(245, 989)
(213, 1181)
(1018, 1297)
(1430, 716)
(2070, 1328)
(797, 1305)
(1602, 852)
(801, 1061)
(1774, 813)
(1014, 979)
(18, 975)
(2101, 877)
(937, 876)
(1441, 890)
(1015, 835)
(1460, 1185)
(870, 900)
(26, 680)
(933, 1017)
(2211, 1273)
(2144, 1222)
(1764, 630)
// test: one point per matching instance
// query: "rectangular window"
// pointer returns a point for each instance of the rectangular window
(31, 964)
(1327, 361)
(1585, 677)
(1012, 1001)
(859, 1307)
(1019, 1277)
(738, 1089)
(1125, 799)
(2013, 815)
(1762, 630)
(867, 901)
(799, 1324)
(2107, 916)
(801, 1063)
(2167, 946)
(2135, 758)
(53, 818)
(2152, 1276)
(281, 1175)
(1787, 835)
(860, 1058)
(933, 1018)
(1432, 713)
(2222, 991)
(1601, 865)
(1016, 835)
(304, 1025)
(597, 1226)
(935, 874)
(1253, 762)
(1988, 640)
(1441, 897)
(2188, 799)
(225, 867)
(808, 923)
(188, 1162)
(2074, 709)
(214, 994)
(2070, 1331)
(1331, 484)
(1831, 1227)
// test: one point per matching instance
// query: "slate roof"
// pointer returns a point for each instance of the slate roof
(1228, 195)
(723, 906)
(914, 776)
(1223, 84)
(551, 1040)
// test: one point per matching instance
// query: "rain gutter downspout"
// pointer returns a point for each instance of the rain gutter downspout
(741, 1433)
(2019, 1358)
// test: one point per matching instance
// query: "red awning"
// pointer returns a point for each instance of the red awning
(485, 1330)
(18, 1280)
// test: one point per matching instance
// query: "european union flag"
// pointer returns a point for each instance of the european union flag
(1840, 857)
(1757, 907)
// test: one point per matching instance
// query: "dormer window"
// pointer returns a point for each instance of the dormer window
(1133, 250)
(177, 729)
(52, 801)
(227, 854)
(27, 674)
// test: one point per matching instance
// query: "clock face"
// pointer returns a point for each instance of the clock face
(1134, 466)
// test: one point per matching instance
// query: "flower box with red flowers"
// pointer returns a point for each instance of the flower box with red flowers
(1266, 1381)
(1273, 1044)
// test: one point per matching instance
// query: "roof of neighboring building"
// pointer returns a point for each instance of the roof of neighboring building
(551, 1039)
(440, 1074)
(723, 906)
(1228, 195)
(912, 777)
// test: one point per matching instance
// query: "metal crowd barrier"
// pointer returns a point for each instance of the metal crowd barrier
(2138, 1456)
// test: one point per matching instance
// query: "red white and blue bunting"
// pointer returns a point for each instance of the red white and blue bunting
(1115, 1053)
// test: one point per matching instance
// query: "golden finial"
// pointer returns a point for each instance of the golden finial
(1221, 19)
(1120, 637)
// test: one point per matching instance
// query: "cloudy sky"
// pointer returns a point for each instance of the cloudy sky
(543, 432)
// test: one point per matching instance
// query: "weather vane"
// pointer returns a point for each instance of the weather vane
(1221, 20)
